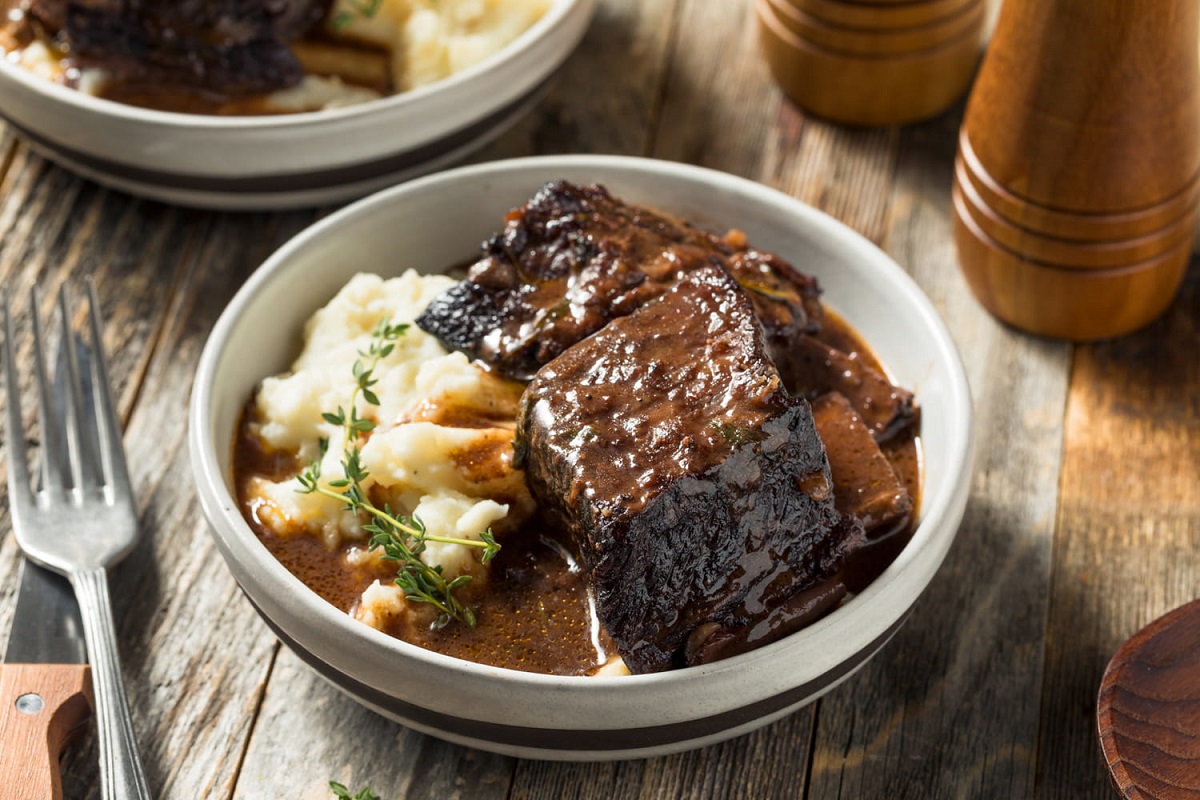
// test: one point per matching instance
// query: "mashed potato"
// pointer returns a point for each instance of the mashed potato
(433, 39)
(423, 460)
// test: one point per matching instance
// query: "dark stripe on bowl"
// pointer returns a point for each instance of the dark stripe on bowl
(302, 181)
(565, 740)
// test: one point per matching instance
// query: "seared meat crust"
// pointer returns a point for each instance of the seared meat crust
(574, 258)
(695, 486)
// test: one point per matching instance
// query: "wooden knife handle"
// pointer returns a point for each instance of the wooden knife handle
(43, 707)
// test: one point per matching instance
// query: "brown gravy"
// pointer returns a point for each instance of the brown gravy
(902, 451)
(534, 612)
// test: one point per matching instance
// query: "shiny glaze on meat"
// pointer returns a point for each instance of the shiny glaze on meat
(536, 615)
(574, 258)
(696, 486)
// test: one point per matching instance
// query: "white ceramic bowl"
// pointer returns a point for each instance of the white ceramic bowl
(291, 160)
(439, 220)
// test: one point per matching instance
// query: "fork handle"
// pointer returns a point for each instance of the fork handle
(121, 775)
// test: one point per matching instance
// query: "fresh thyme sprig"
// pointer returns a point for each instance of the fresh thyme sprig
(402, 539)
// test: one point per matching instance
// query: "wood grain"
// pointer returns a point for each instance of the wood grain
(713, 111)
(1080, 304)
(339, 740)
(203, 688)
(1056, 137)
(963, 724)
(43, 708)
(880, 16)
(1129, 521)
(1148, 709)
(1064, 126)
(628, 43)
(873, 77)
(882, 40)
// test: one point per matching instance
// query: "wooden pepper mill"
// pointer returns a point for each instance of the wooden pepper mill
(1078, 168)
(872, 62)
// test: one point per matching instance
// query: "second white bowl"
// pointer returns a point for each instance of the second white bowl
(291, 160)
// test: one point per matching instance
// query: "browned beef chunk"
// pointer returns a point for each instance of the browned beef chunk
(864, 484)
(226, 46)
(573, 258)
(696, 486)
(714, 642)
(815, 368)
(866, 488)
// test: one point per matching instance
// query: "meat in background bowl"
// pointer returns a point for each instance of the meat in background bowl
(436, 222)
(291, 160)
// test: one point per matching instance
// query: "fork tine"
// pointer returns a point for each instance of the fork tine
(54, 461)
(72, 385)
(112, 451)
(19, 491)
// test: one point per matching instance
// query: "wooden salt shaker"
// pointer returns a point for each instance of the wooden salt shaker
(872, 62)
(1078, 170)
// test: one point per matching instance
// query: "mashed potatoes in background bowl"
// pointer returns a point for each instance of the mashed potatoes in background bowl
(435, 223)
(466, 70)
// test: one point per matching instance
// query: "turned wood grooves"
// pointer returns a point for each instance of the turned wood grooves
(1078, 170)
(1149, 709)
(872, 63)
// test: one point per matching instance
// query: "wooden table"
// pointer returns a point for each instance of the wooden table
(1083, 522)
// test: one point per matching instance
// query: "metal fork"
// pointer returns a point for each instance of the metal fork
(81, 518)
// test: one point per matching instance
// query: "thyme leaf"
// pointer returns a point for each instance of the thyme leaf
(402, 539)
(361, 9)
(342, 793)
(737, 435)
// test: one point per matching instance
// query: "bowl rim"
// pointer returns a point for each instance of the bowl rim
(554, 17)
(937, 527)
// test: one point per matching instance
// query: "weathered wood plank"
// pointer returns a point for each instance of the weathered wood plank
(627, 45)
(55, 241)
(964, 722)
(726, 113)
(769, 763)
(1126, 550)
(847, 173)
(342, 741)
(200, 656)
(16, 253)
(716, 106)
